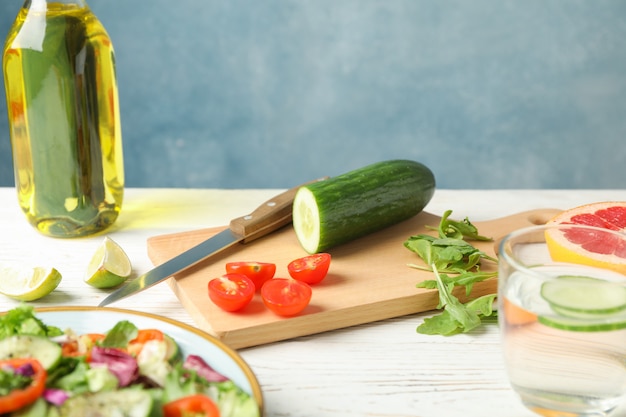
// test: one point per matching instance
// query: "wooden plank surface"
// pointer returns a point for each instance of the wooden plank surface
(369, 279)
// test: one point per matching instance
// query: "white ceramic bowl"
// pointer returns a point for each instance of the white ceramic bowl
(191, 340)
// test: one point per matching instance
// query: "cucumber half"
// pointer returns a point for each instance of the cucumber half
(343, 208)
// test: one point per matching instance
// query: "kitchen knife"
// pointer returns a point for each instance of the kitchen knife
(268, 217)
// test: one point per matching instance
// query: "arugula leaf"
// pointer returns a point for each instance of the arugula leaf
(446, 325)
(450, 253)
(459, 230)
(467, 319)
(465, 278)
(483, 306)
(449, 256)
(440, 324)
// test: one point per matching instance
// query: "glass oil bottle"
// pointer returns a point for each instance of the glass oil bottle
(64, 118)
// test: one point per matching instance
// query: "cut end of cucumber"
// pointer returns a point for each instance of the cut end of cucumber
(306, 220)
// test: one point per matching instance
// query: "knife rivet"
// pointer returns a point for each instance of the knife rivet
(247, 217)
(271, 203)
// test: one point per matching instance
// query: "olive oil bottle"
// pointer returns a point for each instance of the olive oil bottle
(64, 118)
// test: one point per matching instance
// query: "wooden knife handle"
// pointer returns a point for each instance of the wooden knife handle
(268, 217)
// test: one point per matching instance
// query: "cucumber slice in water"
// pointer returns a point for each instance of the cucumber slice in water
(615, 322)
(584, 304)
(585, 295)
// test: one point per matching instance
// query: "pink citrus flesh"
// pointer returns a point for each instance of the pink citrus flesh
(591, 247)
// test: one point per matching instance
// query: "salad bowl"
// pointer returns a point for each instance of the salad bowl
(190, 340)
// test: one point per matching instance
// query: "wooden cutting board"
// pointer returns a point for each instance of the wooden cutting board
(369, 279)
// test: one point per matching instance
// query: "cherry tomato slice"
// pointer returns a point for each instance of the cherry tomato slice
(285, 296)
(310, 269)
(192, 405)
(258, 272)
(231, 292)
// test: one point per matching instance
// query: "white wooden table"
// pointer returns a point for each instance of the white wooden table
(378, 369)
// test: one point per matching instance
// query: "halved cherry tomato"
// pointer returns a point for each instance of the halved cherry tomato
(310, 269)
(258, 272)
(143, 335)
(286, 296)
(231, 292)
(21, 397)
(82, 345)
(71, 349)
(192, 405)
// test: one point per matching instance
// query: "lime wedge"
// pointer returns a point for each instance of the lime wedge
(109, 266)
(28, 283)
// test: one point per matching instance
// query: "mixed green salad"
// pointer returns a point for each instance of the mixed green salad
(125, 372)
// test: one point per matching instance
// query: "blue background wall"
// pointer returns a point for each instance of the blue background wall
(270, 93)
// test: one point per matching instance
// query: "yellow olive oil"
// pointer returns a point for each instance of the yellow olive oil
(62, 100)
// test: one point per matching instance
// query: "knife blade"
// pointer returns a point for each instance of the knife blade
(268, 217)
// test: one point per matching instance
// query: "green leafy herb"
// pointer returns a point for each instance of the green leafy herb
(454, 262)
(10, 380)
(466, 279)
(231, 399)
(120, 335)
(22, 320)
(449, 252)
(459, 230)
(456, 317)
(75, 380)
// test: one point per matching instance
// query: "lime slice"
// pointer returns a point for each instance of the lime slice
(28, 283)
(577, 295)
(109, 266)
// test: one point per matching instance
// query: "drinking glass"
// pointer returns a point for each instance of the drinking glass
(562, 313)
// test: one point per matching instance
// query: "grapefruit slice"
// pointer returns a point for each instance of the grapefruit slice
(605, 215)
(595, 247)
